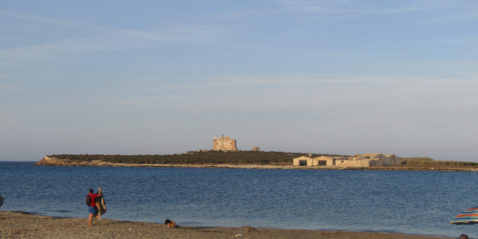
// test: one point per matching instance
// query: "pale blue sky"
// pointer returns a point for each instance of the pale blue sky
(160, 77)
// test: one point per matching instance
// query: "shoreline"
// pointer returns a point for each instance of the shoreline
(26, 225)
(50, 161)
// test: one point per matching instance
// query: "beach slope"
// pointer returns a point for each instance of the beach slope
(24, 225)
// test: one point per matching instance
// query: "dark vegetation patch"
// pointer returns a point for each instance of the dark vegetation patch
(242, 157)
(429, 162)
(208, 157)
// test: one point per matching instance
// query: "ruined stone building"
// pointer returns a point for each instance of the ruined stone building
(358, 160)
(224, 144)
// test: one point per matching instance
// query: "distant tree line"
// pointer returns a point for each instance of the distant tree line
(429, 162)
(207, 157)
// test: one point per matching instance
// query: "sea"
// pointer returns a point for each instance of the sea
(412, 202)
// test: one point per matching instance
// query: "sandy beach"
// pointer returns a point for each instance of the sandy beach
(24, 225)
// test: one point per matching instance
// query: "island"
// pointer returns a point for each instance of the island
(253, 160)
(225, 154)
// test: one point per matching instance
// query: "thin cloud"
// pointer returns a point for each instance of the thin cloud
(461, 40)
(337, 7)
(9, 88)
(48, 21)
(467, 8)
(100, 39)
(259, 43)
(113, 41)
(302, 93)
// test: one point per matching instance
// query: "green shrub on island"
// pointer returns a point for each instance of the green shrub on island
(242, 157)
(429, 162)
(208, 157)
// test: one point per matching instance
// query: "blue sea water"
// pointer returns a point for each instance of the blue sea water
(383, 201)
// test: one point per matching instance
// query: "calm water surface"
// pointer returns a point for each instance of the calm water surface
(387, 201)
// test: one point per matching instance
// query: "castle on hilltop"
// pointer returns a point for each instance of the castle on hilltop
(224, 144)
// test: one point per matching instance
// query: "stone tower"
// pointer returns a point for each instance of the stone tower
(224, 144)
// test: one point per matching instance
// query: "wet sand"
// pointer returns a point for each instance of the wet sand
(24, 225)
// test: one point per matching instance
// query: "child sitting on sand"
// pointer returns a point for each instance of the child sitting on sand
(170, 223)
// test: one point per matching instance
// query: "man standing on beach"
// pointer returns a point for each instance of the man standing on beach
(91, 202)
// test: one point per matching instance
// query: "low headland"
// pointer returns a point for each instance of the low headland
(25, 225)
(239, 159)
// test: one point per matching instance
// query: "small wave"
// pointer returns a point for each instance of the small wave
(27, 213)
(190, 223)
(63, 211)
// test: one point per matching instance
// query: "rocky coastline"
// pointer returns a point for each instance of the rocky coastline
(52, 161)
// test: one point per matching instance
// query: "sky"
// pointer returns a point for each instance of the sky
(163, 77)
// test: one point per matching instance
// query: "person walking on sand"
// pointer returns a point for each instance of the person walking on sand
(100, 203)
(91, 203)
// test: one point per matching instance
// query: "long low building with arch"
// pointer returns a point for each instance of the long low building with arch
(357, 160)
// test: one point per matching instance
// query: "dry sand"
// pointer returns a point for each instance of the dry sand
(23, 225)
